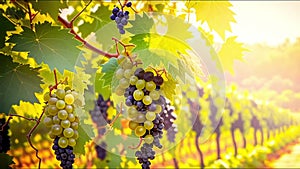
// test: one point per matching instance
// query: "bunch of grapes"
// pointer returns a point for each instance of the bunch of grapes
(4, 138)
(63, 122)
(169, 117)
(121, 17)
(99, 117)
(65, 155)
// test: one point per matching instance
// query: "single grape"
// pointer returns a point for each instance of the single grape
(56, 129)
(69, 108)
(118, 19)
(55, 120)
(48, 121)
(119, 73)
(147, 100)
(152, 107)
(128, 4)
(68, 89)
(140, 118)
(52, 101)
(133, 80)
(47, 96)
(69, 99)
(140, 131)
(150, 115)
(60, 104)
(65, 123)
(158, 80)
(148, 76)
(132, 113)
(115, 10)
(126, 13)
(128, 65)
(74, 125)
(75, 136)
(124, 21)
(112, 17)
(122, 31)
(128, 73)
(62, 114)
(124, 83)
(60, 93)
(158, 109)
(149, 139)
(140, 84)
(119, 91)
(132, 125)
(128, 102)
(71, 117)
(138, 95)
(148, 125)
(139, 72)
(150, 86)
(154, 95)
(120, 26)
(63, 142)
(71, 142)
(68, 132)
(52, 110)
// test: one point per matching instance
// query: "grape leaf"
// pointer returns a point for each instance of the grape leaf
(6, 160)
(208, 11)
(141, 24)
(114, 160)
(15, 12)
(178, 29)
(6, 26)
(101, 87)
(18, 82)
(85, 132)
(101, 18)
(50, 7)
(48, 44)
(169, 87)
(230, 51)
(109, 69)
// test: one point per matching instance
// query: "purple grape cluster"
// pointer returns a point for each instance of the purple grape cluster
(101, 150)
(169, 117)
(65, 155)
(4, 138)
(145, 154)
(120, 17)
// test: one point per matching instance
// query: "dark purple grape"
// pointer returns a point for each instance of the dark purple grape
(126, 13)
(64, 155)
(113, 17)
(148, 76)
(158, 80)
(115, 10)
(128, 4)
(139, 72)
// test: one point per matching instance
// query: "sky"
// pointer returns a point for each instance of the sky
(270, 22)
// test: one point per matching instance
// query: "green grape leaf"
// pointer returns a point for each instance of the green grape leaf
(175, 24)
(6, 160)
(50, 7)
(101, 87)
(6, 26)
(182, 71)
(15, 12)
(109, 69)
(85, 132)
(114, 160)
(169, 87)
(100, 18)
(49, 44)
(141, 24)
(18, 82)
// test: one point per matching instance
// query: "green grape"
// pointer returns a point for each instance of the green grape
(56, 129)
(68, 89)
(140, 118)
(71, 117)
(62, 142)
(60, 93)
(51, 135)
(148, 125)
(48, 121)
(132, 125)
(124, 83)
(46, 96)
(69, 108)
(133, 80)
(150, 86)
(150, 115)
(69, 99)
(72, 142)
(158, 109)
(119, 73)
(119, 91)
(47, 111)
(138, 95)
(127, 65)
(62, 114)
(74, 125)
(140, 84)
(76, 135)
(148, 139)
(154, 95)
(140, 131)
(52, 110)
(65, 123)
(128, 73)
(75, 95)
(55, 120)
(60, 104)
(132, 113)
(147, 100)
(68, 132)
(52, 101)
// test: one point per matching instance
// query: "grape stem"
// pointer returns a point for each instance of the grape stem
(57, 83)
(136, 147)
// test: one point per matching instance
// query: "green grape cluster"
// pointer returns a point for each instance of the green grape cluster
(60, 117)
